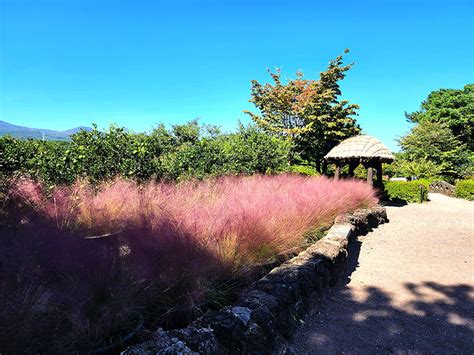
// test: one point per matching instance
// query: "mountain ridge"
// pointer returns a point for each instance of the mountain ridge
(24, 132)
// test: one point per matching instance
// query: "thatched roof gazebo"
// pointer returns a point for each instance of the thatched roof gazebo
(365, 150)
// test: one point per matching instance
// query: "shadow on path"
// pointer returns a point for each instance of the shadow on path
(428, 317)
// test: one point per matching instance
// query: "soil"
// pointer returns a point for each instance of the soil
(409, 287)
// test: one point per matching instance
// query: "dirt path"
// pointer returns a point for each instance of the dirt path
(409, 287)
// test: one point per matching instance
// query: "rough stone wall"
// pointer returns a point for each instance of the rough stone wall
(271, 309)
(442, 187)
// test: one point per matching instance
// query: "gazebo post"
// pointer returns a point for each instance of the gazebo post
(337, 173)
(379, 174)
(352, 166)
(370, 175)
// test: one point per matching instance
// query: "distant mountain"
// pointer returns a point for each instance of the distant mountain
(38, 133)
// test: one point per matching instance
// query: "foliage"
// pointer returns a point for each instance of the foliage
(308, 112)
(453, 107)
(184, 151)
(36, 157)
(434, 142)
(419, 169)
(307, 170)
(407, 191)
(465, 189)
(443, 134)
(425, 182)
(169, 250)
(247, 151)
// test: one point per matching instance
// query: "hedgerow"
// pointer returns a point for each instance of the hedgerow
(407, 191)
(184, 151)
(465, 189)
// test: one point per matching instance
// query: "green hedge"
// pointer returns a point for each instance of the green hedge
(184, 151)
(304, 170)
(407, 191)
(465, 189)
(425, 182)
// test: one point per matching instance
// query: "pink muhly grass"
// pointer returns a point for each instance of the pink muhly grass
(239, 220)
(28, 191)
(181, 242)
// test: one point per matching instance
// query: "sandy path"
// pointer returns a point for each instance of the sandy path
(409, 288)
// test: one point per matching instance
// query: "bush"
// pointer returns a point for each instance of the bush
(306, 170)
(425, 182)
(421, 168)
(182, 152)
(245, 152)
(34, 157)
(465, 189)
(407, 191)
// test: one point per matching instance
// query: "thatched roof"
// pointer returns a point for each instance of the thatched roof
(361, 148)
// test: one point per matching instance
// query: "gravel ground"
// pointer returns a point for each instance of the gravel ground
(409, 287)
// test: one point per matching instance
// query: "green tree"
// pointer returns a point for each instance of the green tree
(435, 142)
(309, 113)
(421, 169)
(453, 107)
(247, 151)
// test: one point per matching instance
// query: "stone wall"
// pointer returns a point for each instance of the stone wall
(270, 310)
(442, 187)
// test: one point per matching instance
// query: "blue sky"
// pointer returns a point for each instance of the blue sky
(66, 63)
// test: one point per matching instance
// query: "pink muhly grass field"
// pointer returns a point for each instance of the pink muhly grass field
(167, 251)
(239, 220)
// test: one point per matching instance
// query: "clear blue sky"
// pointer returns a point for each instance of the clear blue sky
(66, 63)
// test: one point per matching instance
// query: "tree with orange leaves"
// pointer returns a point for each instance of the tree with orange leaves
(310, 113)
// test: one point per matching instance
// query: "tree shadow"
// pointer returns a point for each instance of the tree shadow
(394, 203)
(425, 317)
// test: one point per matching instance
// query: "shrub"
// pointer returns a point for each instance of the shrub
(172, 251)
(34, 157)
(183, 152)
(465, 189)
(307, 170)
(425, 182)
(407, 191)
(421, 168)
(248, 151)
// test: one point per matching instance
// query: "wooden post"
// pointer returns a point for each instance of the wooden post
(337, 174)
(379, 174)
(370, 176)
(352, 166)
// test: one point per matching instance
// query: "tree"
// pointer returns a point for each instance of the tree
(453, 107)
(435, 142)
(421, 169)
(309, 113)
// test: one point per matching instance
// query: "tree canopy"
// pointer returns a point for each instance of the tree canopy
(308, 112)
(434, 142)
(454, 107)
